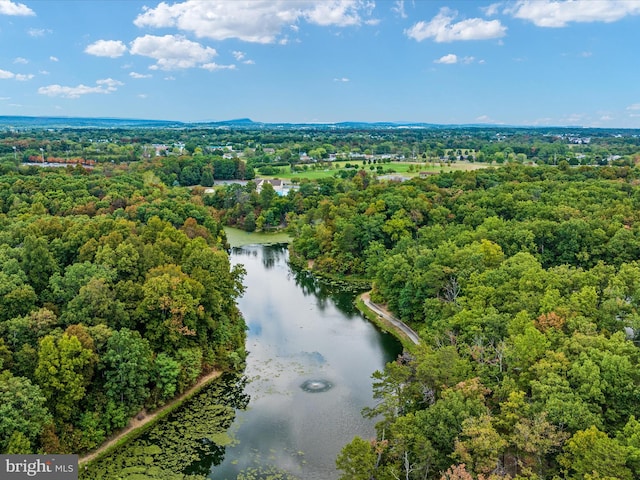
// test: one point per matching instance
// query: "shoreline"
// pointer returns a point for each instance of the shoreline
(135, 426)
(382, 317)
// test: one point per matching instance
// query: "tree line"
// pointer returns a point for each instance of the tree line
(116, 294)
(523, 284)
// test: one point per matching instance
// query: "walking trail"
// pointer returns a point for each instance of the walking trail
(382, 311)
(136, 423)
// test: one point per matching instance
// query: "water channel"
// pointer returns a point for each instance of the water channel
(307, 379)
(311, 356)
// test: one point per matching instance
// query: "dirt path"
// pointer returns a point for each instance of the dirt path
(387, 315)
(136, 423)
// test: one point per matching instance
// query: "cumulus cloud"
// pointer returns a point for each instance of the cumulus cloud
(21, 60)
(552, 13)
(259, 21)
(7, 75)
(342, 80)
(139, 75)
(172, 52)
(443, 29)
(106, 48)
(341, 13)
(635, 106)
(449, 59)
(54, 59)
(7, 7)
(105, 86)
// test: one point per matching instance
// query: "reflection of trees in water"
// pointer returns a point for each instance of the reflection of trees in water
(271, 254)
(188, 442)
(324, 292)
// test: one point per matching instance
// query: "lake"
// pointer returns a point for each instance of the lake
(301, 331)
(307, 379)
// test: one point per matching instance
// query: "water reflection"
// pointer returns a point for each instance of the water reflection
(264, 424)
(302, 333)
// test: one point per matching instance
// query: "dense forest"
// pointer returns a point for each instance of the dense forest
(523, 281)
(116, 294)
(524, 286)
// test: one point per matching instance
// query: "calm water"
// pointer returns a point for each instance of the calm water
(307, 379)
(300, 331)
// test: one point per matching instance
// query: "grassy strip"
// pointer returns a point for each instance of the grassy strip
(157, 416)
(384, 325)
(399, 167)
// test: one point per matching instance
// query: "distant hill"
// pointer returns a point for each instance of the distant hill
(22, 123)
(19, 122)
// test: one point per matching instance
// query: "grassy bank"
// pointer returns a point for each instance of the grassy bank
(138, 427)
(385, 326)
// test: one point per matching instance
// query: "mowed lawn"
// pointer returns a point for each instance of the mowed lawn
(403, 168)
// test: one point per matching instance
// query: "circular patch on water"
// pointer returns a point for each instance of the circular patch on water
(316, 386)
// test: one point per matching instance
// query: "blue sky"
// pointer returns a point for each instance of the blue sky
(539, 62)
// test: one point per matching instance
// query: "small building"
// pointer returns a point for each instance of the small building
(276, 183)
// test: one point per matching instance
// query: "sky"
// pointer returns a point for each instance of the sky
(517, 62)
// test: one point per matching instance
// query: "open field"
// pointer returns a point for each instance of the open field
(410, 169)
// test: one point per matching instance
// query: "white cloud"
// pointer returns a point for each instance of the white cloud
(398, 9)
(139, 75)
(485, 119)
(259, 21)
(241, 57)
(342, 80)
(106, 48)
(341, 13)
(54, 59)
(441, 28)
(7, 7)
(105, 86)
(172, 52)
(492, 9)
(21, 60)
(449, 59)
(142, 95)
(635, 106)
(552, 13)
(212, 67)
(38, 32)
(6, 75)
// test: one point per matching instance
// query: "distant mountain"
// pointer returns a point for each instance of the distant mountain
(82, 122)
(19, 122)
